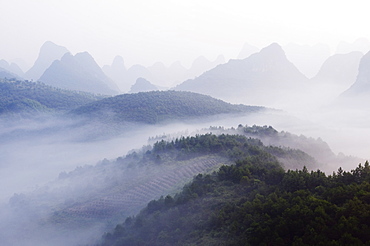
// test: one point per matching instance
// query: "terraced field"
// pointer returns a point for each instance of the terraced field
(136, 188)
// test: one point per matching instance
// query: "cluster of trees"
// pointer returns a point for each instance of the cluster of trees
(234, 147)
(158, 106)
(19, 95)
(256, 202)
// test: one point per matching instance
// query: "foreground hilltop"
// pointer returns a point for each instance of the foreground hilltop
(256, 202)
(159, 106)
(105, 194)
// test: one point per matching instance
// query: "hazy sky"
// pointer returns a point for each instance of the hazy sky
(145, 31)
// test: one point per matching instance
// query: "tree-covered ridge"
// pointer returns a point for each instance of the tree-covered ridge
(110, 191)
(27, 97)
(158, 106)
(325, 158)
(235, 148)
(255, 202)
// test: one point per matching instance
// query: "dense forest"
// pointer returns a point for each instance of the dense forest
(255, 202)
(18, 96)
(158, 106)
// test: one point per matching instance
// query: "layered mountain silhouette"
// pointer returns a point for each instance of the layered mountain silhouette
(49, 52)
(157, 73)
(167, 76)
(358, 95)
(4, 73)
(12, 67)
(142, 85)
(202, 64)
(118, 73)
(263, 78)
(336, 75)
(361, 44)
(308, 59)
(247, 50)
(79, 72)
(123, 77)
(339, 69)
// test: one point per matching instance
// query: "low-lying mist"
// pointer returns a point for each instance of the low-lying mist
(33, 152)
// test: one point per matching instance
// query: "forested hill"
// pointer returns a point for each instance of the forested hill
(255, 202)
(158, 106)
(18, 96)
(105, 194)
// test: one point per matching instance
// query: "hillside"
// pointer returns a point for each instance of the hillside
(159, 106)
(317, 148)
(255, 202)
(105, 194)
(18, 96)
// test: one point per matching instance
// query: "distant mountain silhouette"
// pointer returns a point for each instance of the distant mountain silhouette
(167, 76)
(247, 50)
(261, 79)
(176, 73)
(336, 75)
(142, 85)
(308, 59)
(361, 44)
(157, 73)
(118, 73)
(358, 95)
(7, 74)
(137, 71)
(49, 52)
(202, 64)
(339, 69)
(79, 72)
(12, 67)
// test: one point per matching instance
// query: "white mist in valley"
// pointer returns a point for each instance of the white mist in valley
(35, 152)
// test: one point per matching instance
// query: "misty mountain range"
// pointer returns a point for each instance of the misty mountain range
(260, 79)
(73, 113)
(336, 71)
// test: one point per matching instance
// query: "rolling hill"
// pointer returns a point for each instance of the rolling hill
(17, 96)
(159, 106)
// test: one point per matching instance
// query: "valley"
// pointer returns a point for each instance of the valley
(89, 154)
